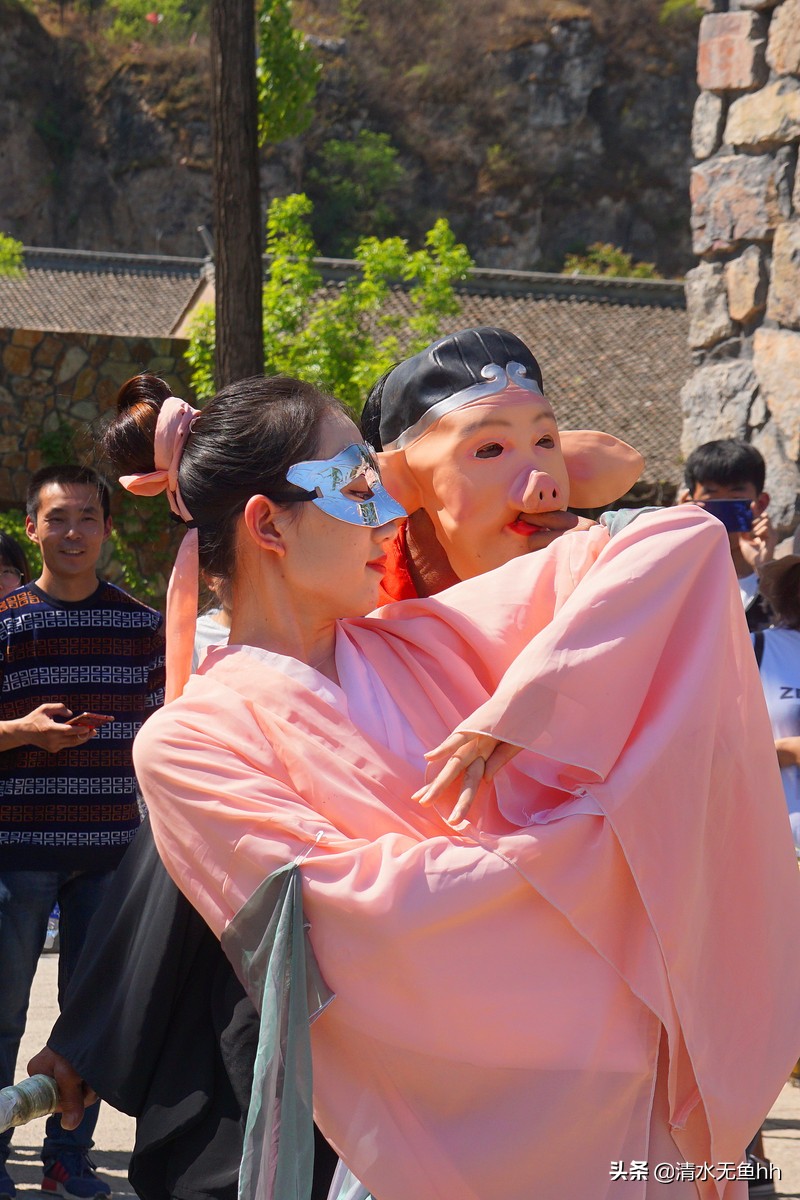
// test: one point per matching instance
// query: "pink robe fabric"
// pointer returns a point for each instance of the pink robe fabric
(502, 990)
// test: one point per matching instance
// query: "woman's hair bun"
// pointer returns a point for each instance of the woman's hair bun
(128, 440)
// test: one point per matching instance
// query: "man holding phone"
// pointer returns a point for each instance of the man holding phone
(727, 477)
(81, 666)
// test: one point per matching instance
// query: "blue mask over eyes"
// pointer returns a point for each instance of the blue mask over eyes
(347, 487)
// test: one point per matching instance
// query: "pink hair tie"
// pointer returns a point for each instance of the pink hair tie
(172, 429)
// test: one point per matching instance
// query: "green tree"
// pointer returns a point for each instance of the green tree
(153, 20)
(11, 260)
(601, 258)
(350, 186)
(342, 342)
(287, 74)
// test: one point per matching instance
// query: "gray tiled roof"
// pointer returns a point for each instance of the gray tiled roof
(613, 353)
(83, 292)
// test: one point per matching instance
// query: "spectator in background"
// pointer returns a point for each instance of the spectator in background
(778, 654)
(70, 645)
(729, 469)
(13, 564)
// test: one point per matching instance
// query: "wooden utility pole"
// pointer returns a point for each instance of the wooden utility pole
(237, 210)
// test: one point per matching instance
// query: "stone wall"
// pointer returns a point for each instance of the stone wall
(53, 383)
(54, 388)
(743, 299)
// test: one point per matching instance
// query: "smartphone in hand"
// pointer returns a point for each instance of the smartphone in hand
(736, 515)
(95, 720)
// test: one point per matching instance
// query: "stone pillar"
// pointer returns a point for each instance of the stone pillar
(743, 298)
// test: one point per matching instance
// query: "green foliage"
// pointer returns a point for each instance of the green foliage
(57, 446)
(154, 20)
(673, 8)
(351, 185)
(354, 19)
(13, 523)
(342, 343)
(130, 575)
(200, 351)
(287, 74)
(11, 261)
(601, 258)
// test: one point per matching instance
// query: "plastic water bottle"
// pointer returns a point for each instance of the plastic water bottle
(23, 1102)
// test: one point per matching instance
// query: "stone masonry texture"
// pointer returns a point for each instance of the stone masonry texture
(732, 52)
(743, 297)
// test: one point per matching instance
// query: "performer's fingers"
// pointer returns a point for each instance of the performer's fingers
(450, 745)
(450, 772)
(502, 754)
(472, 779)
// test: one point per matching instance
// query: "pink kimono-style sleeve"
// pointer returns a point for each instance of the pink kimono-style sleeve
(643, 696)
(657, 620)
(227, 811)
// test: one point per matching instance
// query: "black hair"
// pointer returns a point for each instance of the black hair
(64, 475)
(727, 462)
(370, 422)
(241, 444)
(779, 584)
(12, 553)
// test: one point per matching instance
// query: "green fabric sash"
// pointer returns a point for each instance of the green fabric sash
(267, 944)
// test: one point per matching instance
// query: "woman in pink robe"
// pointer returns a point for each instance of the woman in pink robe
(543, 997)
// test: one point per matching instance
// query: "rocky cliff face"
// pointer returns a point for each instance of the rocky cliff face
(533, 134)
(97, 153)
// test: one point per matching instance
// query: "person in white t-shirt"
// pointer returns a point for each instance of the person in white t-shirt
(778, 651)
(212, 629)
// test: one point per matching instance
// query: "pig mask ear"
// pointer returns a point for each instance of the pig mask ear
(601, 468)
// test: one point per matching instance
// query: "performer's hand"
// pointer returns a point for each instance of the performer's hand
(74, 1093)
(477, 757)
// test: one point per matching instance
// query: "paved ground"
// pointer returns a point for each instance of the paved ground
(114, 1135)
(115, 1132)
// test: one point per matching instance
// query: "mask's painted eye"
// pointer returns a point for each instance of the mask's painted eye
(490, 450)
(547, 440)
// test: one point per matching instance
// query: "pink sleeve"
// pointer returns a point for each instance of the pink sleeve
(656, 608)
(225, 814)
(485, 621)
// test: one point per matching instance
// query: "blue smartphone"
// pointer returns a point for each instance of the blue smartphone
(736, 515)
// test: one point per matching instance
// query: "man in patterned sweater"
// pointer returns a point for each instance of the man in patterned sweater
(70, 644)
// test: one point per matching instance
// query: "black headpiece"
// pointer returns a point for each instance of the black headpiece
(455, 370)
